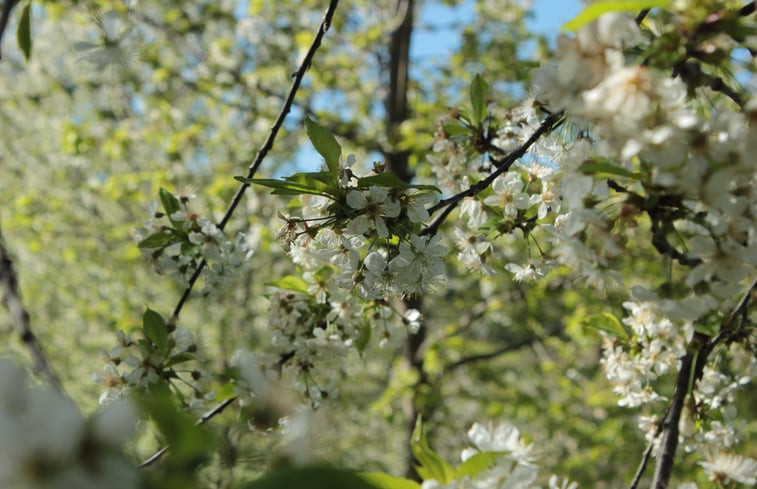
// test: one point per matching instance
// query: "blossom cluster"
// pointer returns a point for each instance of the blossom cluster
(512, 462)
(177, 239)
(160, 357)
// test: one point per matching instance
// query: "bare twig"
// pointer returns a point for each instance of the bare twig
(267, 145)
(4, 16)
(502, 164)
(204, 419)
(11, 298)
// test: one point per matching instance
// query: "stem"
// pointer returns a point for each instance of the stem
(204, 419)
(502, 164)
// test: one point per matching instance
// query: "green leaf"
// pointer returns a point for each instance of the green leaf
(170, 202)
(325, 144)
(386, 481)
(608, 323)
(179, 358)
(479, 92)
(596, 167)
(191, 445)
(156, 240)
(597, 9)
(310, 478)
(363, 337)
(456, 130)
(432, 465)
(155, 329)
(290, 282)
(24, 31)
(289, 187)
(385, 179)
(322, 181)
(478, 463)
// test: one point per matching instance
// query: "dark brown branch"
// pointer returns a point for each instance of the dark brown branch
(669, 443)
(4, 17)
(267, 145)
(647, 454)
(502, 164)
(204, 419)
(11, 298)
(642, 15)
(494, 353)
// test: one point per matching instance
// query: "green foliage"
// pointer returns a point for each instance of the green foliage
(608, 323)
(596, 9)
(325, 144)
(479, 95)
(431, 465)
(156, 330)
(314, 477)
(24, 31)
(386, 481)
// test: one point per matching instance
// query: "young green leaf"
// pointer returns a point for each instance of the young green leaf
(386, 481)
(385, 179)
(595, 167)
(290, 282)
(169, 201)
(155, 329)
(312, 477)
(608, 323)
(597, 9)
(24, 31)
(432, 465)
(479, 93)
(156, 240)
(478, 463)
(325, 144)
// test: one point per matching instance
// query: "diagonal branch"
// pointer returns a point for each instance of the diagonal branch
(502, 164)
(267, 145)
(204, 419)
(4, 16)
(11, 298)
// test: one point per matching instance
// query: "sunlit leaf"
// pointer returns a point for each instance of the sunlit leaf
(325, 144)
(597, 9)
(479, 93)
(386, 481)
(155, 329)
(608, 323)
(24, 31)
(432, 465)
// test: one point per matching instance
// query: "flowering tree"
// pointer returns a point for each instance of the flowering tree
(570, 247)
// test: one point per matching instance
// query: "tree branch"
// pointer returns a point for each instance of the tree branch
(267, 145)
(4, 16)
(647, 454)
(502, 164)
(494, 353)
(204, 419)
(253, 168)
(11, 298)
(669, 442)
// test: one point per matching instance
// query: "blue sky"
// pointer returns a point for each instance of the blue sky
(437, 37)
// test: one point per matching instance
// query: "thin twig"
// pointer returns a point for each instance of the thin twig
(647, 454)
(11, 298)
(502, 164)
(267, 145)
(204, 419)
(492, 354)
(4, 16)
